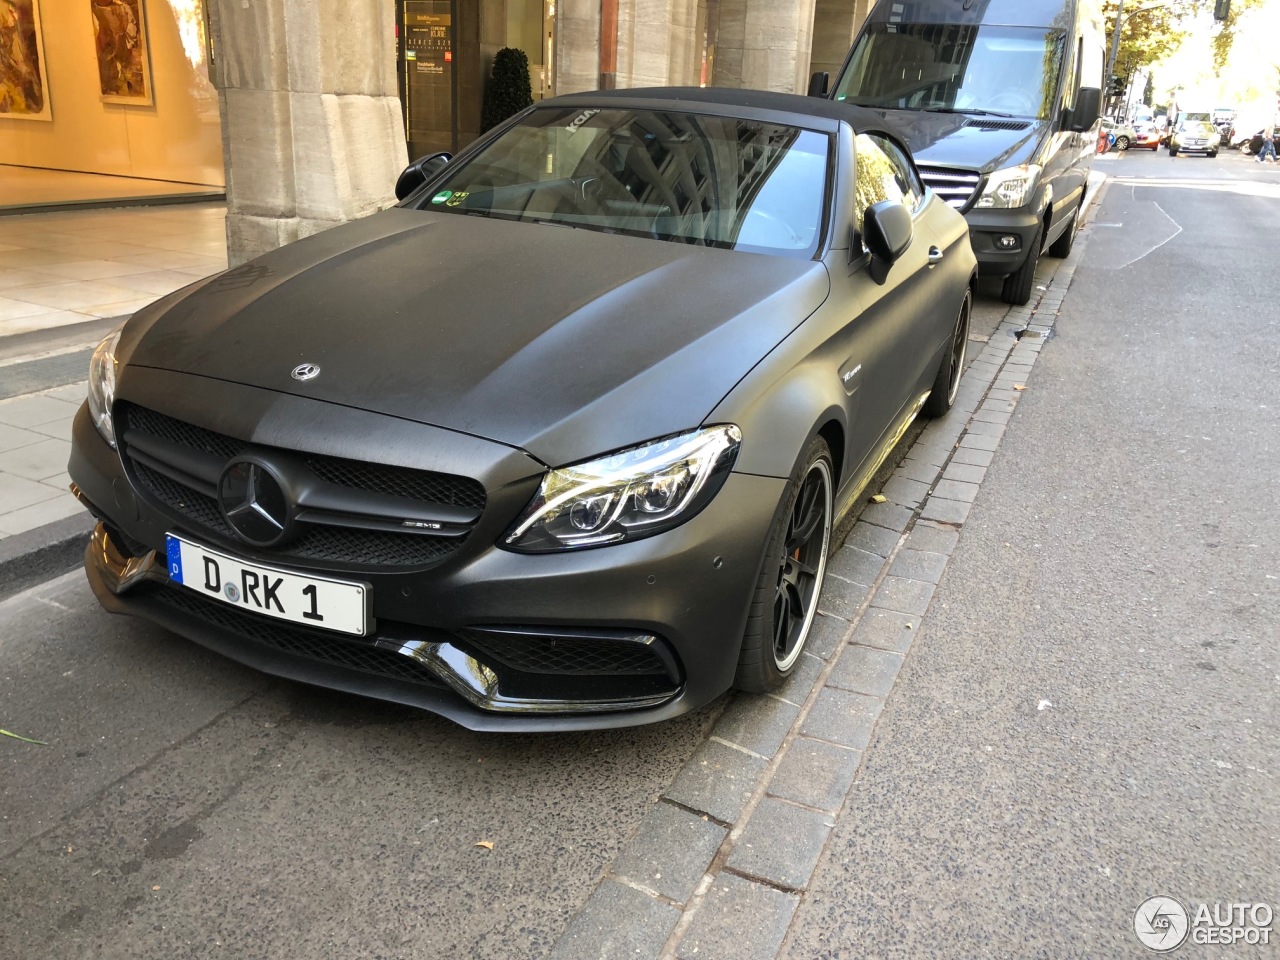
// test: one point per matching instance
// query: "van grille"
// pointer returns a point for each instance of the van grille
(958, 188)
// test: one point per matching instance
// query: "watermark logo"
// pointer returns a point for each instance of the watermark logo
(1164, 924)
(1161, 923)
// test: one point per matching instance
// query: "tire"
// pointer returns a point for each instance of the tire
(1213, 154)
(792, 573)
(1017, 286)
(1122, 143)
(947, 382)
(1173, 151)
(1061, 248)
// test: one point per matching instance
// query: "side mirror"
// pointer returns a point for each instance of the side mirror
(818, 84)
(1087, 110)
(887, 232)
(419, 172)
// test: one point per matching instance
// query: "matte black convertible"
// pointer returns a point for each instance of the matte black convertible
(556, 442)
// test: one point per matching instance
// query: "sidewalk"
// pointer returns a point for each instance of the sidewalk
(66, 280)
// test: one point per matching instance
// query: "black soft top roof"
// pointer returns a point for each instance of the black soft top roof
(728, 99)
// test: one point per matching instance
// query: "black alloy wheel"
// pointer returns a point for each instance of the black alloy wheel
(803, 566)
(792, 570)
(947, 382)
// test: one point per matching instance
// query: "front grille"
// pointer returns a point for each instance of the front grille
(361, 540)
(958, 188)
(293, 640)
(578, 656)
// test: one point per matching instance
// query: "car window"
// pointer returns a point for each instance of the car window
(677, 177)
(907, 178)
(880, 177)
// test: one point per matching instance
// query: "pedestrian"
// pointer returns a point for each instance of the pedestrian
(1268, 149)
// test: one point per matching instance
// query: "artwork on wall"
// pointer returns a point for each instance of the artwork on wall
(24, 83)
(120, 41)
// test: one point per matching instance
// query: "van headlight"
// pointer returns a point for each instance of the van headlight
(627, 495)
(102, 386)
(1010, 188)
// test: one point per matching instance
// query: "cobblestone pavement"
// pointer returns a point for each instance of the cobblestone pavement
(722, 861)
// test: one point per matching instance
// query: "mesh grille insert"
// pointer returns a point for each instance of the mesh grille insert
(296, 641)
(340, 546)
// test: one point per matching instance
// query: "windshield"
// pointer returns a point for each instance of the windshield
(679, 177)
(1007, 71)
(1198, 128)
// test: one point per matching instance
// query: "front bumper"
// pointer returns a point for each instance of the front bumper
(683, 594)
(987, 226)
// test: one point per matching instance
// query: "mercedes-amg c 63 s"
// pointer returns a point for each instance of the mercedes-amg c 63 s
(559, 440)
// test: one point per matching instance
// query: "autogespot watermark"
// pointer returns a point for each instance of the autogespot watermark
(1164, 924)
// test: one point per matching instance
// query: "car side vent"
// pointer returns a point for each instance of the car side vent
(991, 123)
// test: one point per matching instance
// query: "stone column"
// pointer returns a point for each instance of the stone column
(656, 43)
(312, 131)
(764, 45)
(577, 45)
(834, 24)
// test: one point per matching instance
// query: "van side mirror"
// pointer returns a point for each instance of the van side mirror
(818, 83)
(1087, 110)
(887, 232)
(419, 172)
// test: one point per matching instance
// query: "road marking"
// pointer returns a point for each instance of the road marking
(1158, 245)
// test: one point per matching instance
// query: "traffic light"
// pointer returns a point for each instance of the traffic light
(1117, 86)
(1221, 9)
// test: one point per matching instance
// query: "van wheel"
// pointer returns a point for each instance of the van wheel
(947, 383)
(1061, 248)
(1017, 286)
(785, 602)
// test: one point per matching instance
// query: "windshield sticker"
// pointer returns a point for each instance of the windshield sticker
(442, 196)
(456, 199)
(580, 119)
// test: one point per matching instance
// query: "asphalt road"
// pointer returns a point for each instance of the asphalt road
(1089, 717)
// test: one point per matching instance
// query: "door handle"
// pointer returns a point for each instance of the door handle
(935, 257)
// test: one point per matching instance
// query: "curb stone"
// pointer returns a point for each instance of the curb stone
(36, 555)
(776, 796)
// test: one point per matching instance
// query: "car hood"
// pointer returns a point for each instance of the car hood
(565, 343)
(950, 139)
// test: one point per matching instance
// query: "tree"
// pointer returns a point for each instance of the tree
(1153, 29)
(1149, 93)
(509, 90)
(1148, 35)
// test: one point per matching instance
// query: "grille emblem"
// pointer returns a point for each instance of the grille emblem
(254, 502)
(306, 371)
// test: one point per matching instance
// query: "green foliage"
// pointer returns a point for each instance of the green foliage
(1148, 35)
(509, 90)
(1149, 92)
(1226, 35)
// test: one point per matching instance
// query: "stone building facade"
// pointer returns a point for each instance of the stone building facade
(323, 101)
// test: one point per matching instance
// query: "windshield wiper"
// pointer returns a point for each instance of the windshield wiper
(973, 110)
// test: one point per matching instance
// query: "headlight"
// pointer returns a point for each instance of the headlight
(1010, 187)
(102, 386)
(627, 495)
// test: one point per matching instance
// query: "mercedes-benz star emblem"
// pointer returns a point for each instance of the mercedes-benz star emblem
(254, 502)
(306, 371)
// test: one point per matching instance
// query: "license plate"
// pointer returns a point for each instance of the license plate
(313, 601)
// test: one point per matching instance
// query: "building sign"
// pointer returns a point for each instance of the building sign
(427, 58)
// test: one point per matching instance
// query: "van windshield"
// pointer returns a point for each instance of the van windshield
(968, 68)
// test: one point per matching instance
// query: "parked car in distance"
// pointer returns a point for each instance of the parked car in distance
(1121, 135)
(1148, 135)
(557, 442)
(1254, 145)
(1194, 136)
